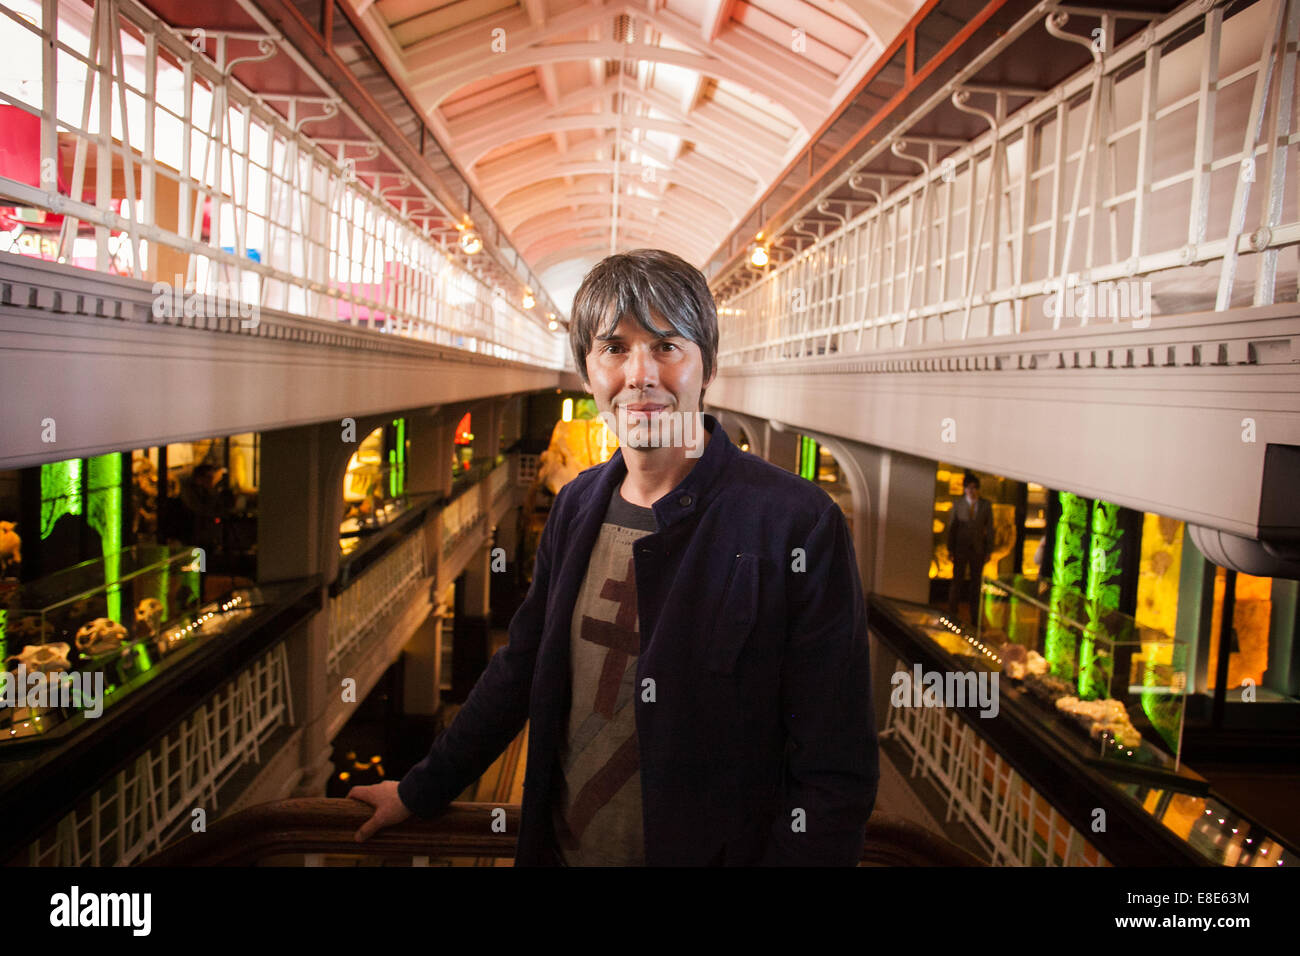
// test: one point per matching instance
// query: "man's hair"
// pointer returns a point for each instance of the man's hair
(970, 480)
(636, 284)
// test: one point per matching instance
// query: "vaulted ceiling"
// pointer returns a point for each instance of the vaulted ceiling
(591, 126)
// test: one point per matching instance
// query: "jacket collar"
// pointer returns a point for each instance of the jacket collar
(695, 490)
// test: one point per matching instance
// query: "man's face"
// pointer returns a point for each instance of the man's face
(645, 375)
(972, 494)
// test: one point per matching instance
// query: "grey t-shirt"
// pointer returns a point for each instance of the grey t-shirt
(598, 807)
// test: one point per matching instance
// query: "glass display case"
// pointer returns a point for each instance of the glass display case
(1121, 683)
(374, 485)
(77, 641)
(375, 518)
(1084, 688)
(1120, 687)
(1212, 827)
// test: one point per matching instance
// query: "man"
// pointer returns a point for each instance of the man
(692, 654)
(970, 542)
(209, 501)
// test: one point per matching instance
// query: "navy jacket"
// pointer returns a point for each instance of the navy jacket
(753, 708)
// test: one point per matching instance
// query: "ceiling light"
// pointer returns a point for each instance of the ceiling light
(757, 256)
(529, 301)
(470, 243)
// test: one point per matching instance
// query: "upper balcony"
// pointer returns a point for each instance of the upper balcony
(1069, 257)
(219, 227)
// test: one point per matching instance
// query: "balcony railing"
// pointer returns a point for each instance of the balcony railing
(499, 480)
(150, 801)
(1131, 190)
(230, 201)
(363, 600)
(303, 831)
(354, 611)
(460, 517)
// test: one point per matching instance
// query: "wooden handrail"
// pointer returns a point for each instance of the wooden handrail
(897, 841)
(319, 825)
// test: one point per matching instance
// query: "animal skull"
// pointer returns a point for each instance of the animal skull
(100, 635)
(49, 658)
(148, 615)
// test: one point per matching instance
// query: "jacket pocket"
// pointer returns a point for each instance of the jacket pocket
(736, 615)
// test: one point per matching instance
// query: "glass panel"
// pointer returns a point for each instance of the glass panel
(1121, 683)
(1136, 731)
(1211, 827)
(78, 640)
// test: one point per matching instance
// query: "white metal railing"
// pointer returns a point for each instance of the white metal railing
(499, 480)
(1013, 822)
(353, 611)
(221, 186)
(460, 517)
(1154, 182)
(152, 802)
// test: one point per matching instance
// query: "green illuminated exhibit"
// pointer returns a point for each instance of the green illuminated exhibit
(807, 458)
(60, 492)
(1096, 655)
(1068, 572)
(397, 461)
(104, 514)
(100, 502)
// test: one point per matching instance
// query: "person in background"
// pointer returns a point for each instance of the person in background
(209, 502)
(970, 542)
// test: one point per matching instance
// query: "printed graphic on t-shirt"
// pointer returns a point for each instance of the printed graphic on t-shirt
(598, 819)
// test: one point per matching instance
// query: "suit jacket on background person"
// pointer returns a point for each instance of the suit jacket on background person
(761, 691)
(971, 532)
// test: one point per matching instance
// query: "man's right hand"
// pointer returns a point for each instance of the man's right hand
(389, 808)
